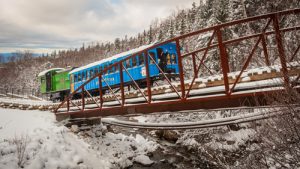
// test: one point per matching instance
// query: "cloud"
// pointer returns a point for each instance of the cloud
(68, 23)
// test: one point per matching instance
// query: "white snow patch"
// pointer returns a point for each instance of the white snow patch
(45, 71)
(48, 145)
(144, 160)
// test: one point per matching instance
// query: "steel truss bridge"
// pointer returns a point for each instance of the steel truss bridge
(268, 65)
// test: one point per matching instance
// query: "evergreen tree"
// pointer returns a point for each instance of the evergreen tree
(117, 43)
(150, 35)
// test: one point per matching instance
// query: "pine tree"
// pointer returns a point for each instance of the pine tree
(182, 26)
(160, 35)
(117, 43)
(171, 29)
(150, 34)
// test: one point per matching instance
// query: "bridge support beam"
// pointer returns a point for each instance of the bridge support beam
(281, 51)
(224, 59)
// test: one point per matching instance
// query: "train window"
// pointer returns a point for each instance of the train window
(152, 55)
(83, 75)
(111, 70)
(134, 62)
(105, 66)
(96, 71)
(174, 61)
(91, 73)
(75, 78)
(100, 69)
(168, 59)
(79, 77)
(141, 59)
(128, 65)
(117, 68)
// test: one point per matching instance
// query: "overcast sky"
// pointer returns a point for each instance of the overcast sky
(45, 25)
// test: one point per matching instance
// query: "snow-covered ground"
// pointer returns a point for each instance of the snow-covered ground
(34, 140)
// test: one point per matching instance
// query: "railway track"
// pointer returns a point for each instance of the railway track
(249, 117)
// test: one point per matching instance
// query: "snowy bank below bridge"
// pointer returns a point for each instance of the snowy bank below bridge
(34, 140)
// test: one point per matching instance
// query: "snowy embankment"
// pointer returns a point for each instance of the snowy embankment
(34, 140)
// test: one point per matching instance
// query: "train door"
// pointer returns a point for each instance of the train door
(48, 82)
(162, 60)
(72, 81)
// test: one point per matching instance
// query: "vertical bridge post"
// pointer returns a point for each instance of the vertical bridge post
(224, 59)
(180, 70)
(281, 50)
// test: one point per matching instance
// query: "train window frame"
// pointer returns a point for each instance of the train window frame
(91, 73)
(173, 58)
(154, 58)
(168, 58)
(111, 70)
(79, 77)
(96, 70)
(128, 63)
(117, 68)
(83, 75)
(141, 59)
(134, 61)
(75, 78)
(104, 67)
(100, 68)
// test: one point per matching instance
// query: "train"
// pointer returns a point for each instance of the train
(60, 82)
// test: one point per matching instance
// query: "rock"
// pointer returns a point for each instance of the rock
(168, 135)
(90, 134)
(125, 163)
(50, 108)
(230, 142)
(143, 160)
(98, 133)
(163, 160)
(75, 128)
(110, 129)
(234, 127)
(30, 107)
(133, 147)
(41, 108)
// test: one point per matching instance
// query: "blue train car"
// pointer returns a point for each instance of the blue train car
(165, 56)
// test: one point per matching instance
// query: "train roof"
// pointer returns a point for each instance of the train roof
(120, 55)
(48, 70)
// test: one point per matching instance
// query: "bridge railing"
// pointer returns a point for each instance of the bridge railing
(215, 49)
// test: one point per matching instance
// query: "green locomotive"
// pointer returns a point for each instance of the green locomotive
(55, 82)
